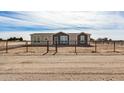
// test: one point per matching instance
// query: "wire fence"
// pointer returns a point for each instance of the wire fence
(47, 47)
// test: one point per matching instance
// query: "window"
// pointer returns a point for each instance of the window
(34, 39)
(88, 38)
(64, 39)
(82, 39)
(38, 39)
(55, 38)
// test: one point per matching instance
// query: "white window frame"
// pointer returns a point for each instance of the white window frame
(82, 39)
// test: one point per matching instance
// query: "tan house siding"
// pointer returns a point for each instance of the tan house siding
(72, 38)
(42, 38)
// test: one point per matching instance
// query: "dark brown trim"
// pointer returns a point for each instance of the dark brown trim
(86, 39)
(58, 36)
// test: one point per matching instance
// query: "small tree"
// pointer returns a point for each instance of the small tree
(1, 39)
(110, 39)
(91, 39)
(20, 39)
(102, 39)
(14, 39)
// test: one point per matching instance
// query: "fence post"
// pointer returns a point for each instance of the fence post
(56, 47)
(121, 43)
(75, 48)
(95, 46)
(47, 46)
(114, 47)
(26, 46)
(6, 46)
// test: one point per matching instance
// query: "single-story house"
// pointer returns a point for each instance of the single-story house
(60, 38)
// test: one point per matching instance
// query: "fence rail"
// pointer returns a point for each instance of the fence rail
(73, 47)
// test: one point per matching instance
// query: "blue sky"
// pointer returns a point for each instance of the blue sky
(99, 24)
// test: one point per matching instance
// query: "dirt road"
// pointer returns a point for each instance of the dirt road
(62, 67)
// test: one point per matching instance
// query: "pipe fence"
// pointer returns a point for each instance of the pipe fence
(47, 47)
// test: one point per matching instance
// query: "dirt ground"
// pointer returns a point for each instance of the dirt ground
(36, 64)
(62, 67)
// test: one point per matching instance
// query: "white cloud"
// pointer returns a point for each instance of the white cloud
(102, 21)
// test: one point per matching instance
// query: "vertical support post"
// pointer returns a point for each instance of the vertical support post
(6, 46)
(26, 46)
(56, 47)
(95, 46)
(114, 47)
(121, 43)
(75, 47)
(47, 46)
